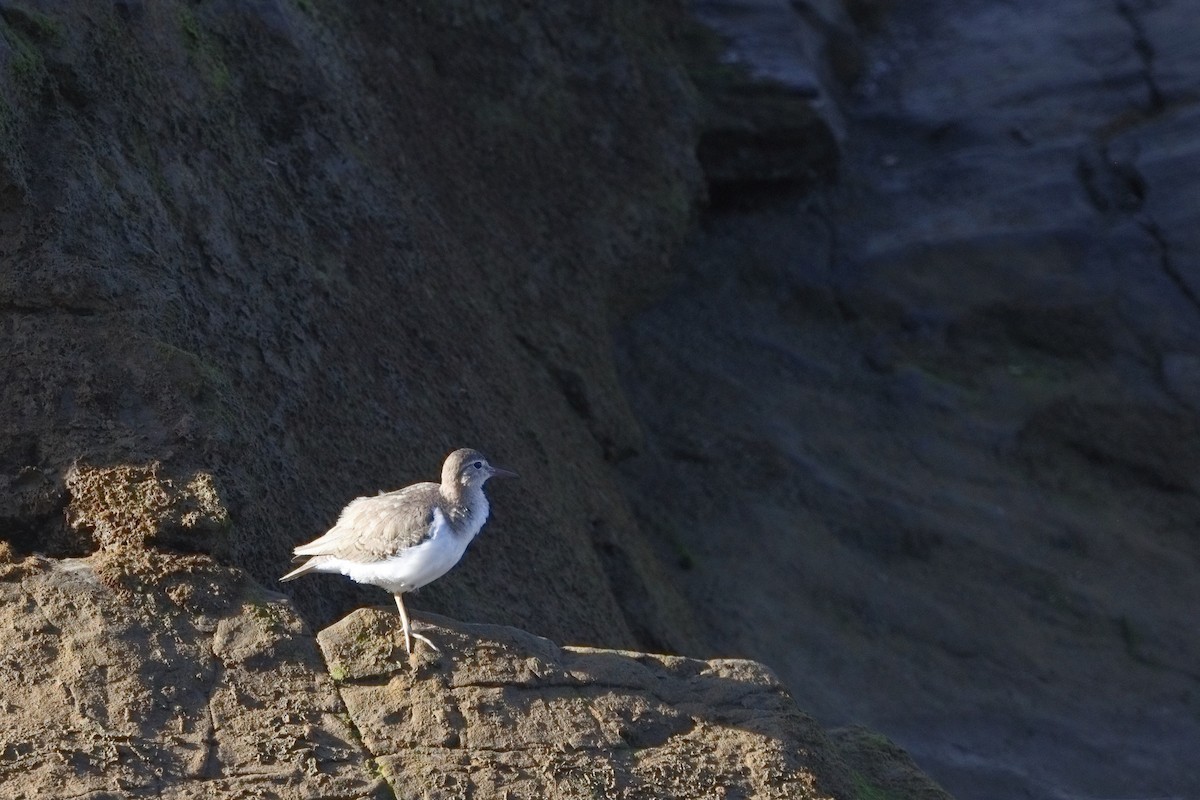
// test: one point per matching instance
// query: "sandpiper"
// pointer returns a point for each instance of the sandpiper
(402, 540)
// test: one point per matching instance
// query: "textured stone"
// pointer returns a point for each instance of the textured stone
(500, 712)
(943, 410)
(186, 683)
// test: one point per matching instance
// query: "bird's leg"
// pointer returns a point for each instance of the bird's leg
(409, 633)
(404, 622)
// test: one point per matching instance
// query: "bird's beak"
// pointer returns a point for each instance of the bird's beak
(503, 473)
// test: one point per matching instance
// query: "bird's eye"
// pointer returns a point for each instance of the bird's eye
(478, 465)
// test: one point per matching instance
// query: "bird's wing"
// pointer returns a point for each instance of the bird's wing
(375, 528)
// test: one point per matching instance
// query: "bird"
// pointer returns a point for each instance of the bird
(403, 540)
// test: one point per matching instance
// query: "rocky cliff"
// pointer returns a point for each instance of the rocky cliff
(298, 253)
(908, 413)
(949, 390)
(262, 257)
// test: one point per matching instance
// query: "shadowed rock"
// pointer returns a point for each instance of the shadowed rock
(950, 398)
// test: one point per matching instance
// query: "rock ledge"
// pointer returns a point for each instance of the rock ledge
(503, 713)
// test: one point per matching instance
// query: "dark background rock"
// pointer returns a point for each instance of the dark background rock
(941, 408)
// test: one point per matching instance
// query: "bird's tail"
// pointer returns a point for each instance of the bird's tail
(303, 569)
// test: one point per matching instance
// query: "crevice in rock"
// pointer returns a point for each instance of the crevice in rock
(209, 767)
(570, 383)
(370, 759)
(1167, 264)
(629, 586)
(1110, 185)
(550, 686)
(34, 520)
(573, 387)
(1146, 54)
(1117, 186)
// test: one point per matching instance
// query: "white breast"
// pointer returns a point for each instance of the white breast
(416, 566)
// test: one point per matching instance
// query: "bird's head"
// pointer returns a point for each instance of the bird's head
(468, 469)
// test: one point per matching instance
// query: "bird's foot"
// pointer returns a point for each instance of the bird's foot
(427, 641)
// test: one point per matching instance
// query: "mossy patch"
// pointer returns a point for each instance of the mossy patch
(204, 51)
(866, 789)
(203, 381)
(375, 769)
(683, 556)
(32, 23)
(25, 61)
(270, 615)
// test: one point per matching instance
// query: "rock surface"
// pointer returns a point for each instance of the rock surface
(192, 682)
(500, 712)
(943, 409)
(927, 382)
(176, 677)
(305, 249)
(260, 257)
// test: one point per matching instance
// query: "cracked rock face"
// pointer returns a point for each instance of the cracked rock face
(502, 713)
(185, 679)
(951, 397)
(197, 684)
